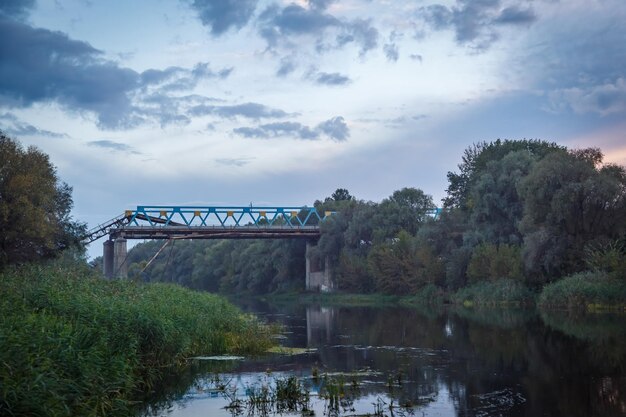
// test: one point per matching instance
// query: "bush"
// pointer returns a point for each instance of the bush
(490, 262)
(504, 291)
(74, 344)
(585, 290)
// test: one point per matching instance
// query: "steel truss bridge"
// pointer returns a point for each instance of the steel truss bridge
(204, 222)
(208, 222)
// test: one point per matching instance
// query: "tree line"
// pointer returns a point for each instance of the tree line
(524, 211)
(527, 211)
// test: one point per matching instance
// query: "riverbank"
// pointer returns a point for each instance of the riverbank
(585, 291)
(74, 344)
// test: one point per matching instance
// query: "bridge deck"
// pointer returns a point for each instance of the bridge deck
(215, 232)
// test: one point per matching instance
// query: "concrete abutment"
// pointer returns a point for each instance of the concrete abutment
(114, 259)
(318, 271)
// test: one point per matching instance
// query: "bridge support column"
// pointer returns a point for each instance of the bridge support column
(107, 259)
(318, 275)
(120, 268)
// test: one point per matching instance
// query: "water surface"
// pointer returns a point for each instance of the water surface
(397, 361)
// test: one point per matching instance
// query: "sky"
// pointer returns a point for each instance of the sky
(238, 102)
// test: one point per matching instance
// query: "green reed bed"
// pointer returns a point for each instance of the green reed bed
(586, 290)
(503, 292)
(74, 344)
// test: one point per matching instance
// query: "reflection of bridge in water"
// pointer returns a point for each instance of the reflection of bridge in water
(202, 222)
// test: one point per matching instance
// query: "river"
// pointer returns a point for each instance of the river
(400, 362)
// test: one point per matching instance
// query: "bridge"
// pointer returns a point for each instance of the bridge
(214, 222)
(210, 222)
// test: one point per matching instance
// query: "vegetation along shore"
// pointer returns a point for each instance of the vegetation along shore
(523, 222)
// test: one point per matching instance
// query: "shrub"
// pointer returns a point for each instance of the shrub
(585, 290)
(504, 291)
(490, 262)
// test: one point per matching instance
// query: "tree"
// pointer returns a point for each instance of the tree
(405, 209)
(475, 160)
(35, 221)
(340, 194)
(570, 201)
(496, 206)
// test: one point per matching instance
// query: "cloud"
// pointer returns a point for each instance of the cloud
(247, 110)
(222, 15)
(237, 162)
(16, 9)
(12, 125)
(279, 26)
(362, 33)
(46, 66)
(335, 129)
(515, 16)
(177, 78)
(391, 52)
(320, 4)
(577, 64)
(602, 99)
(114, 146)
(332, 79)
(269, 130)
(287, 66)
(277, 23)
(475, 22)
(416, 57)
(42, 65)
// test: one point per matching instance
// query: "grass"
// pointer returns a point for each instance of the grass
(504, 292)
(586, 290)
(74, 344)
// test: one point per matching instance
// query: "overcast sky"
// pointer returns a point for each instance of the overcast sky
(280, 102)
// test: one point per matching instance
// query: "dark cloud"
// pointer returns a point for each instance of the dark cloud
(247, 110)
(237, 162)
(391, 52)
(295, 20)
(515, 16)
(603, 99)
(578, 64)
(334, 78)
(335, 128)
(475, 22)
(12, 125)
(221, 15)
(279, 25)
(16, 9)
(114, 146)
(46, 66)
(362, 33)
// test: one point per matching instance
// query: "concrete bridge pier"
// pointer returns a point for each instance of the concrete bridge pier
(318, 273)
(114, 259)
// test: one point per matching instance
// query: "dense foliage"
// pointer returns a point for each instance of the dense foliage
(72, 343)
(35, 221)
(527, 212)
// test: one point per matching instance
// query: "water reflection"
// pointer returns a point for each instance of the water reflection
(487, 362)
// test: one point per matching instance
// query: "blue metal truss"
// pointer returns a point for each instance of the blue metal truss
(226, 216)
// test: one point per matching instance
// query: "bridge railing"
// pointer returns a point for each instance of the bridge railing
(226, 216)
